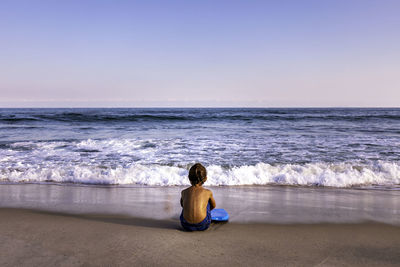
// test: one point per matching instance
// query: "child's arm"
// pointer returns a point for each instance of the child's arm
(212, 202)
(182, 199)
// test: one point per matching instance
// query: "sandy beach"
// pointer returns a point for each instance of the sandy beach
(42, 238)
(67, 225)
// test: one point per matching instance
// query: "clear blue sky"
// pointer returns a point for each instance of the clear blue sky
(199, 53)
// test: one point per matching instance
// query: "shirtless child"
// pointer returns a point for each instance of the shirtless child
(196, 201)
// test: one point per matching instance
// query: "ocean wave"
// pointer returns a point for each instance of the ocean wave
(107, 117)
(312, 174)
(81, 117)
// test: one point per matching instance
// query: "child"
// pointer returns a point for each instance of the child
(196, 201)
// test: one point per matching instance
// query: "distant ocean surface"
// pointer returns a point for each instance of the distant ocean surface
(331, 147)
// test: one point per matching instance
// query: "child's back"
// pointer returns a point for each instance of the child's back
(196, 201)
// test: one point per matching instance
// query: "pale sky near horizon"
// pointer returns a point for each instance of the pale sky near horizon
(102, 53)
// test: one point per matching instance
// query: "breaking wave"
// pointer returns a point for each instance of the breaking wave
(312, 174)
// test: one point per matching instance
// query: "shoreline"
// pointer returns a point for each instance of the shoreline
(280, 205)
(45, 238)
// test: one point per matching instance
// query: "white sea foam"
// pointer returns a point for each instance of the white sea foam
(321, 174)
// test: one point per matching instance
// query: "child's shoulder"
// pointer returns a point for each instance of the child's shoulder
(184, 190)
(208, 191)
(202, 189)
(188, 189)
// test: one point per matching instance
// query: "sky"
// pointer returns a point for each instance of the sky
(331, 53)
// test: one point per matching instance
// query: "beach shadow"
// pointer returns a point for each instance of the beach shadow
(216, 225)
(172, 224)
(119, 219)
(213, 227)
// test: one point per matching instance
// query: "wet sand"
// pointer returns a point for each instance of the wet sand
(245, 204)
(44, 238)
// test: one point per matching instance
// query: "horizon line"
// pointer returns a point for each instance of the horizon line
(205, 107)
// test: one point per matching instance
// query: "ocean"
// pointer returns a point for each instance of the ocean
(307, 147)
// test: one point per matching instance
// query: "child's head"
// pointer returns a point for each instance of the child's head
(197, 174)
